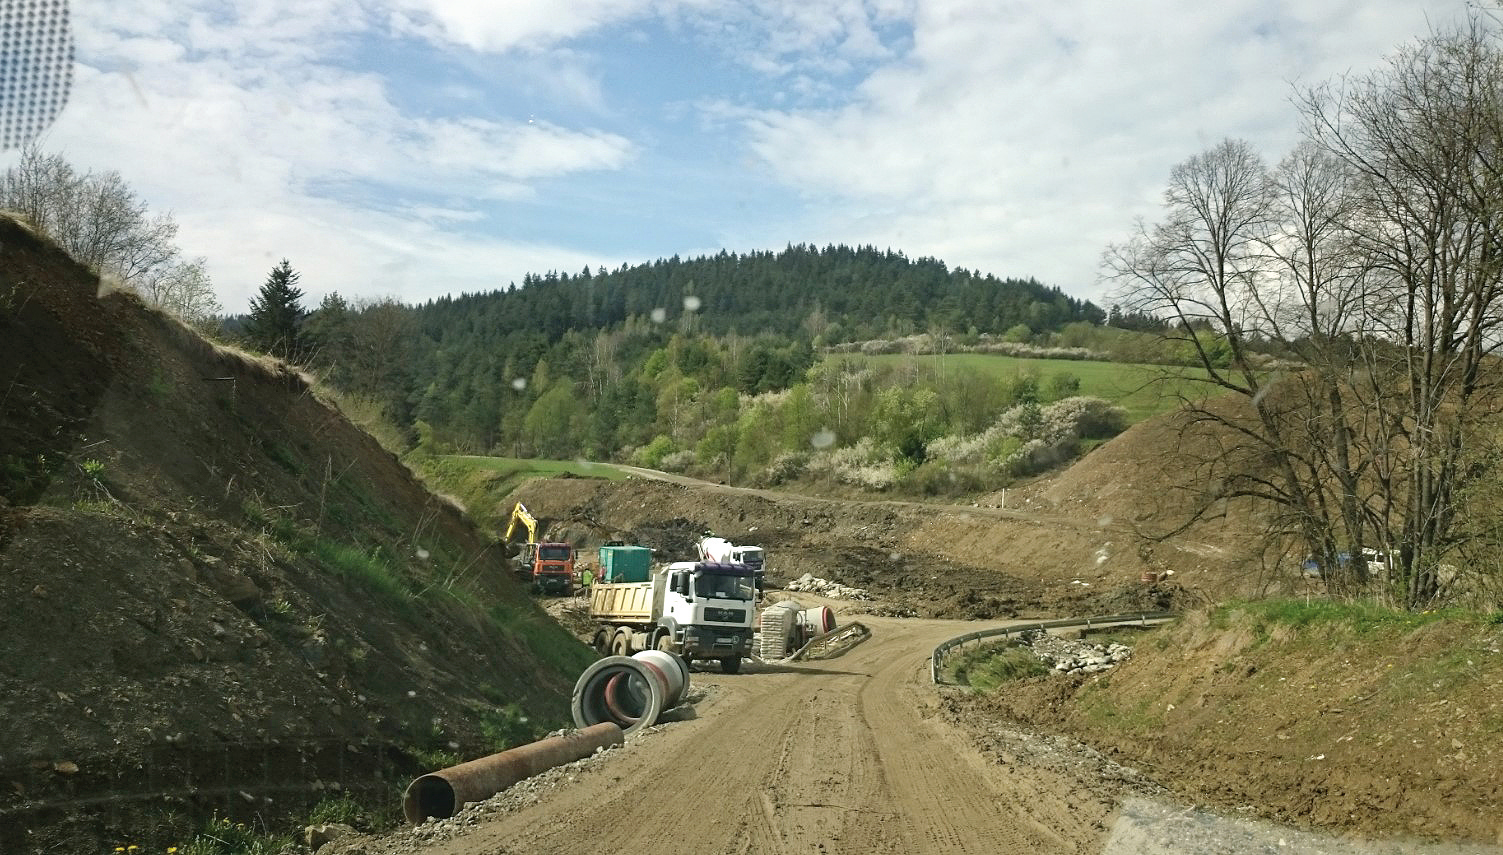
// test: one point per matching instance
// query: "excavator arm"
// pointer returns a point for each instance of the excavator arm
(521, 516)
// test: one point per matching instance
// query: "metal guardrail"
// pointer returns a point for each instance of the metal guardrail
(937, 659)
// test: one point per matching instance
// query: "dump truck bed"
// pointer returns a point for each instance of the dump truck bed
(627, 602)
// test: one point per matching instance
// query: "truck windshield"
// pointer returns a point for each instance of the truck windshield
(714, 586)
(554, 553)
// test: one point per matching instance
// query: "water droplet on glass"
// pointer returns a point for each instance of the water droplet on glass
(824, 439)
(692, 304)
(659, 315)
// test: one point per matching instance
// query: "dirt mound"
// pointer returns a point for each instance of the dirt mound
(217, 593)
(921, 559)
(1386, 730)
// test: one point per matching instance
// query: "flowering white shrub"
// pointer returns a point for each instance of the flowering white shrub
(678, 461)
(860, 465)
(785, 467)
(1050, 434)
(1036, 455)
(1082, 417)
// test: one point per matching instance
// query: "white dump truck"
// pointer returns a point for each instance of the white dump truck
(697, 609)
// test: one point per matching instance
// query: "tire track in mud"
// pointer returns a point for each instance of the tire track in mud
(828, 758)
(944, 803)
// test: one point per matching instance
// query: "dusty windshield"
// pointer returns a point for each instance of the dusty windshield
(554, 553)
(718, 587)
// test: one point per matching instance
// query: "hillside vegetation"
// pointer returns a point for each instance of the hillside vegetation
(713, 365)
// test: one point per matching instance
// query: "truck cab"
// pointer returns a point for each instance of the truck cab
(708, 609)
(550, 566)
(755, 558)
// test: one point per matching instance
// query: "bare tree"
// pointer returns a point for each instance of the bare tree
(101, 222)
(1422, 138)
(182, 288)
(1370, 260)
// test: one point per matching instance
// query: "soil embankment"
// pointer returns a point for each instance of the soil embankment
(216, 594)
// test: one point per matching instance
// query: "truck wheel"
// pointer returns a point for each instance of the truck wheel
(730, 665)
(621, 644)
(665, 643)
(602, 642)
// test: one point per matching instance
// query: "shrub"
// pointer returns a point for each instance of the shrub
(652, 454)
(1082, 418)
(677, 461)
(859, 465)
(1037, 455)
(941, 479)
(784, 468)
(1063, 384)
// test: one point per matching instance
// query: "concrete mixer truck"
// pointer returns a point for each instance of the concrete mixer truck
(697, 609)
(712, 548)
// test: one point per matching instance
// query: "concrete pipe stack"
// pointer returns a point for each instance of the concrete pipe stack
(630, 691)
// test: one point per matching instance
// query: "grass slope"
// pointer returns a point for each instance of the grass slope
(1142, 390)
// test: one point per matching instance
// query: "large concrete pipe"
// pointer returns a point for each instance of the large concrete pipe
(441, 794)
(670, 664)
(817, 621)
(631, 691)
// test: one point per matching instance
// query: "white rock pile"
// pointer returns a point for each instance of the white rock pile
(811, 584)
(1066, 656)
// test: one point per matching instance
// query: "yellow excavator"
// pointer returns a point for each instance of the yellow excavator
(549, 565)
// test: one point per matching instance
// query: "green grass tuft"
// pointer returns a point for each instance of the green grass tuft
(992, 665)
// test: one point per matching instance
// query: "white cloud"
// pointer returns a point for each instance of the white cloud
(243, 125)
(374, 142)
(1021, 137)
(483, 25)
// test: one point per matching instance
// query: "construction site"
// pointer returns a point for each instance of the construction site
(229, 611)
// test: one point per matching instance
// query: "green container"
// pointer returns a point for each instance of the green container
(625, 564)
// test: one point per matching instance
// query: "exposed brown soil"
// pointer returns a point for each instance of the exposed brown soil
(184, 618)
(1309, 735)
(1380, 735)
(844, 756)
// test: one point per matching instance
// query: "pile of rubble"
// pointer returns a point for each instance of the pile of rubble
(811, 584)
(1066, 656)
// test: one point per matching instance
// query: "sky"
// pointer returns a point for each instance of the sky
(416, 148)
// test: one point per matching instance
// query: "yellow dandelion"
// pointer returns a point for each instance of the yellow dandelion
(119, 848)
(171, 849)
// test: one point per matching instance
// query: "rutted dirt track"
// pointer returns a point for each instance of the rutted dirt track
(844, 756)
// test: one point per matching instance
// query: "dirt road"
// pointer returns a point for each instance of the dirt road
(844, 756)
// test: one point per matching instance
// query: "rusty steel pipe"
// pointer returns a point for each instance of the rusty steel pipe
(441, 794)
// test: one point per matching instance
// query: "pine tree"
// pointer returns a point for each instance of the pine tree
(277, 313)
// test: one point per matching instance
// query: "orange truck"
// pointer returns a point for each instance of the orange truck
(547, 565)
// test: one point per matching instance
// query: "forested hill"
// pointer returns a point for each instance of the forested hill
(839, 293)
(579, 365)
